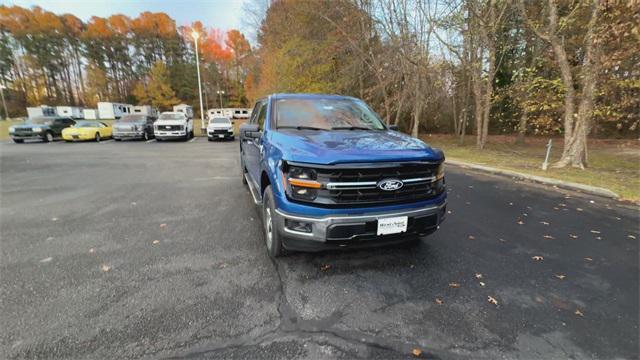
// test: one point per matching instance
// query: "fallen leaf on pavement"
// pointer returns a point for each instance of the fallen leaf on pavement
(54, 219)
(325, 267)
(478, 276)
(134, 204)
(471, 237)
(544, 223)
(573, 236)
(562, 205)
(162, 226)
(439, 301)
(46, 260)
(503, 240)
(492, 300)
(579, 313)
(598, 237)
(579, 209)
(595, 232)
(468, 203)
(454, 285)
(222, 265)
(525, 214)
(520, 222)
(105, 268)
(631, 236)
(482, 284)
(556, 208)
(548, 237)
(592, 202)
(560, 276)
(537, 258)
(510, 204)
(156, 242)
(92, 250)
(416, 352)
(50, 238)
(588, 259)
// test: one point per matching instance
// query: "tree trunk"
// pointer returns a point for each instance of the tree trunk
(575, 151)
(522, 127)
(417, 107)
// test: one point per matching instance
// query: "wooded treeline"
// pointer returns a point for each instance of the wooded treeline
(567, 67)
(60, 60)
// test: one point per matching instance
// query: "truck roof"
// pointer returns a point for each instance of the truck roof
(309, 96)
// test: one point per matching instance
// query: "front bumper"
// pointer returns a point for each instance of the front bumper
(342, 231)
(77, 137)
(219, 135)
(25, 136)
(169, 134)
(128, 134)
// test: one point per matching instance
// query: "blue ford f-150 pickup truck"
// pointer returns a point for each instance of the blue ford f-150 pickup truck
(329, 174)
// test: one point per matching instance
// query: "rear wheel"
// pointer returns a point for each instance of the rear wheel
(272, 238)
(98, 137)
(146, 135)
(48, 137)
(18, 141)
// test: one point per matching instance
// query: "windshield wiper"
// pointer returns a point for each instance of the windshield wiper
(350, 128)
(301, 127)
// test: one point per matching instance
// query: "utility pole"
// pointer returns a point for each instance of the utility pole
(4, 104)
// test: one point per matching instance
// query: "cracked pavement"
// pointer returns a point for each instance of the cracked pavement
(154, 250)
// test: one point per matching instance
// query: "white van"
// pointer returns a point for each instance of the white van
(109, 110)
(73, 112)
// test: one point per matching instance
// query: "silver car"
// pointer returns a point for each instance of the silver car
(135, 126)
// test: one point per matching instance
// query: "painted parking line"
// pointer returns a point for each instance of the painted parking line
(107, 141)
(194, 139)
(152, 140)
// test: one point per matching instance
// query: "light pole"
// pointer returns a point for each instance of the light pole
(220, 92)
(203, 126)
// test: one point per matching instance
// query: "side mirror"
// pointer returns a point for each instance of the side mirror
(250, 131)
(393, 127)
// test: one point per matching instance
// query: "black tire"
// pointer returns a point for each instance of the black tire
(273, 240)
(48, 137)
(233, 138)
(98, 137)
(116, 139)
(145, 136)
(209, 139)
(18, 141)
(158, 139)
(192, 135)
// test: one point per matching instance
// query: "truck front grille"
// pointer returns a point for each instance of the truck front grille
(357, 184)
(170, 127)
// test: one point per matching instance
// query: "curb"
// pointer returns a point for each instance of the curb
(588, 189)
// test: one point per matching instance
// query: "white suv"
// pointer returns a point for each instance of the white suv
(220, 128)
(173, 125)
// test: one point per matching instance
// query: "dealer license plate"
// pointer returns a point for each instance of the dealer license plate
(393, 225)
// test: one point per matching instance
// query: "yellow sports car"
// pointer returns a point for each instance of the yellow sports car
(87, 130)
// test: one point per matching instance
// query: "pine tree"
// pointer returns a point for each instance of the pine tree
(157, 91)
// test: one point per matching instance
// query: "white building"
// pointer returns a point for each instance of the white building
(231, 113)
(70, 111)
(42, 110)
(109, 110)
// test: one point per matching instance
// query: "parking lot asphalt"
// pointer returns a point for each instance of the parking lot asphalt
(154, 250)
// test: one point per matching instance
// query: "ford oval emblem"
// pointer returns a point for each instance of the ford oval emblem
(390, 184)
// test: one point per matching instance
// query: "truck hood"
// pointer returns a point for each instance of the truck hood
(30, 126)
(220, 126)
(345, 146)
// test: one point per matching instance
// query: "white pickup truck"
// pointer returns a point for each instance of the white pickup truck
(173, 125)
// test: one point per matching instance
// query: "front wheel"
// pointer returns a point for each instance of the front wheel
(97, 137)
(18, 141)
(48, 137)
(272, 237)
(145, 136)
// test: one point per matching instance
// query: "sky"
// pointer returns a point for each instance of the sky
(222, 14)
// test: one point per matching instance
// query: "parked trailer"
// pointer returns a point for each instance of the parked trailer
(145, 110)
(231, 113)
(185, 109)
(73, 112)
(91, 114)
(109, 110)
(42, 110)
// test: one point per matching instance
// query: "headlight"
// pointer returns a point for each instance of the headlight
(440, 171)
(303, 184)
(12, 129)
(37, 129)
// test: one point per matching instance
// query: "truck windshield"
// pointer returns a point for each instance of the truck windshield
(171, 117)
(133, 118)
(326, 114)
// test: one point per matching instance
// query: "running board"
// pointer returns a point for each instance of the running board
(252, 190)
